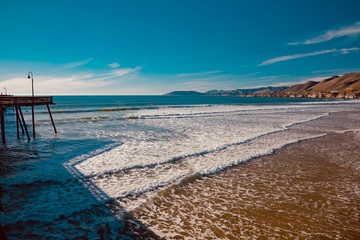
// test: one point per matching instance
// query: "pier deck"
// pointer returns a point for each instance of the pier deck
(12, 101)
(17, 102)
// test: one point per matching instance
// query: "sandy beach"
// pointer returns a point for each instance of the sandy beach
(307, 190)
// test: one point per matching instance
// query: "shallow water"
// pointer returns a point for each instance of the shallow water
(111, 157)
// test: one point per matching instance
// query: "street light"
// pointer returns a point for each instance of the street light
(33, 101)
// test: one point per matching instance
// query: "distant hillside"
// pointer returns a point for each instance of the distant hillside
(235, 92)
(301, 87)
(345, 83)
(345, 86)
(184, 93)
(268, 91)
(245, 92)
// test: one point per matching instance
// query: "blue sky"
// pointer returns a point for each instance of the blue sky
(153, 47)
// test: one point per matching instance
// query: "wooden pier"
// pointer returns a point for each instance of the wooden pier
(9, 101)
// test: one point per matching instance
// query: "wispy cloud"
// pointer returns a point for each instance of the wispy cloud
(77, 64)
(302, 55)
(301, 81)
(121, 72)
(272, 77)
(196, 74)
(291, 83)
(99, 82)
(45, 85)
(114, 65)
(315, 79)
(339, 70)
(295, 56)
(288, 84)
(331, 34)
(205, 85)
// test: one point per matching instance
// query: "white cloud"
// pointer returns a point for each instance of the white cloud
(114, 65)
(205, 85)
(196, 74)
(315, 79)
(302, 55)
(304, 80)
(331, 34)
(77, 64)
(273, 77)
(121, 72)
(80, 83)
(346, 50)
(289, 57)
(248, 74)
(124, 71)
(45, 85)
(292, 83)
(339, 70)
(282, 84)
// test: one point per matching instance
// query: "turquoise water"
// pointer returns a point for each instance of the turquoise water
(73, 114)
(70, 102)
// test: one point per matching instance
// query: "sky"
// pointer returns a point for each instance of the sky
(151, 47)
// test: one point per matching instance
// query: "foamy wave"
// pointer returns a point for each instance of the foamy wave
(206, 110)
(194, 146)
(181, 138)
(140, 181)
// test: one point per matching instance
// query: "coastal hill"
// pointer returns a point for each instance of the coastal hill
(301, 87)
(345, 86)
(245, 92)
(235, 92)
(185, 93)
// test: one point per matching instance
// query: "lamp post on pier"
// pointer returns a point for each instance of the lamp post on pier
(33, 101)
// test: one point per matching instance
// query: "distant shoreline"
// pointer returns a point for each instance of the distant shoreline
(319, 95)
(346, 86)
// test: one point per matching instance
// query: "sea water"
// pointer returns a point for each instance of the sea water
(127, 149)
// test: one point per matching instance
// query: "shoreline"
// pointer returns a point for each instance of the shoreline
(238, 201)
(298, 190)
(314, 174)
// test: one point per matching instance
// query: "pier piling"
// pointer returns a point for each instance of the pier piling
(9, 101)
(24, 123)
(2, 118)
(52, 120)
(17, 122)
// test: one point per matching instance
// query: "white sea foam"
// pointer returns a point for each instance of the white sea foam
(181, 137)
(338, 101)
(178, 143)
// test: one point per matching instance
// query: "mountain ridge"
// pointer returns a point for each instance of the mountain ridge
(344, 86)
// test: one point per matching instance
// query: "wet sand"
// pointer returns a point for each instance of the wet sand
(307, 190)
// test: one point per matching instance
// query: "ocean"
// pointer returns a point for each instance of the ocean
(127, 167)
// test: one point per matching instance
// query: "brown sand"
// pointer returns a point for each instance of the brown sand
(308, 190)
